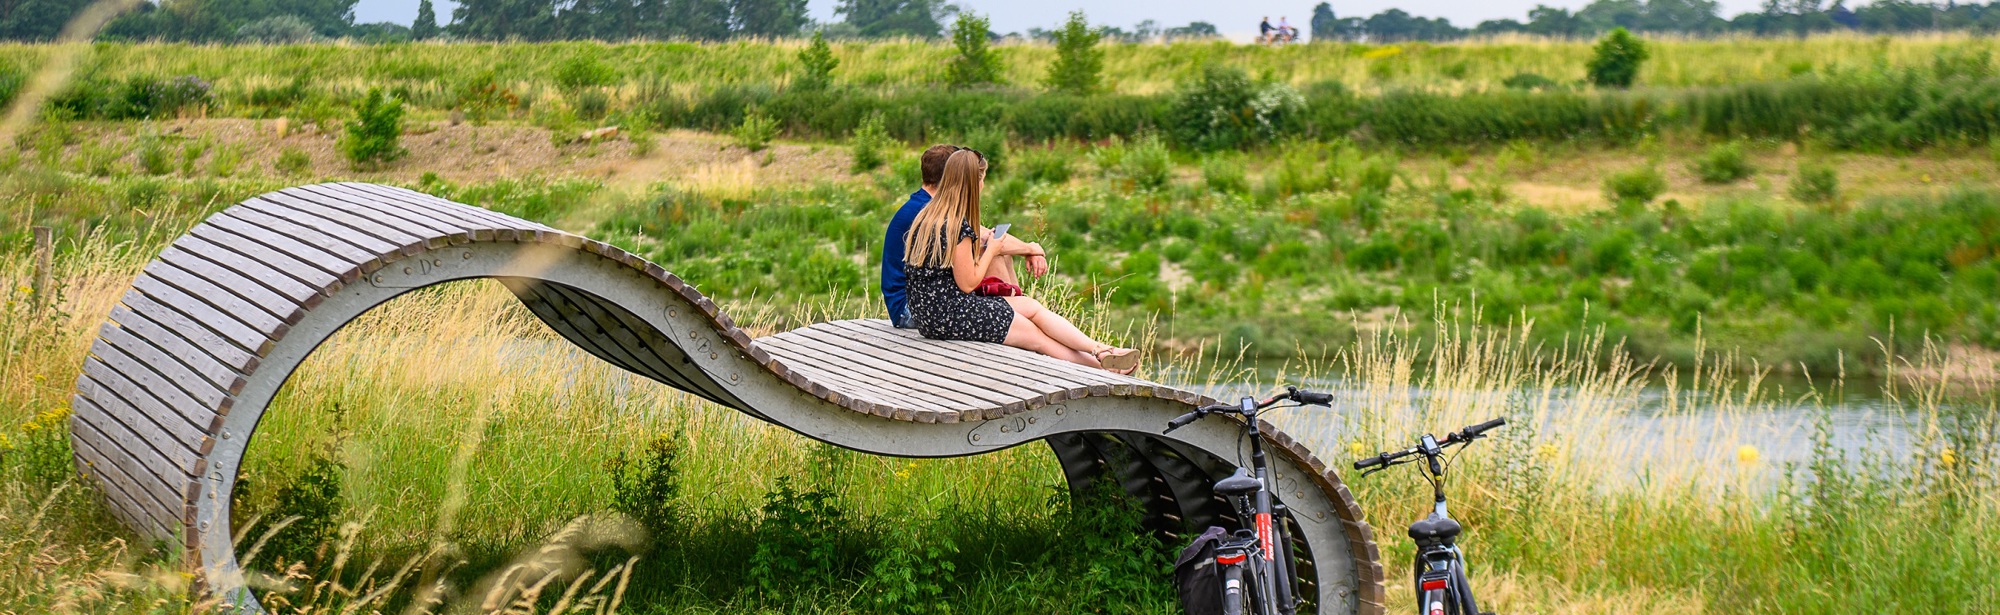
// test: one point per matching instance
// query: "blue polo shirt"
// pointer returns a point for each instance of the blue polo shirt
(893, 280)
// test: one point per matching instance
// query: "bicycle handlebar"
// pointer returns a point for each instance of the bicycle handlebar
(1462, 436)
(1291, 393)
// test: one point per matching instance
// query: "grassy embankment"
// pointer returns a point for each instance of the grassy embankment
(450, 431)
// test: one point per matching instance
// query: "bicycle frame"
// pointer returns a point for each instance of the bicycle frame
(1439, 570)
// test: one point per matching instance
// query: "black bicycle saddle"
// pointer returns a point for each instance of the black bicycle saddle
(1238, 484)
(1434, 528)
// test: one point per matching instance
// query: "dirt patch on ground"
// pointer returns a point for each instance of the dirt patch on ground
(467, 153)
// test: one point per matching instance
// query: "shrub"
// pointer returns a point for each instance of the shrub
(1146, 163)
(1079, 64)
(482, 97)
(1225, 174)
(799, 538)
(991, 142)
(584, 71)
(1528, 81)
(1614, 63)
(975, 64)
(816, 64)
(645, 488)
(294, 162)
(313, 502)
(1723, 164)
(1046, 166)
(1635, 187)
(868, 144)
(756, 131)
(907, 577)
(278, 30)
(591, 105)
(1815, 183)
(227, 157)
(191, 152)
(154, 158)
(1223, 108)
(372, 138)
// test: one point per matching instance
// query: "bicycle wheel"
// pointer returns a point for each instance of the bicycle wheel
(1433, 602)
(1461, 590)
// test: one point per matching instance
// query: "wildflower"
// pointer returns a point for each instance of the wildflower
(1948, 458)
(1355, 449)
(1747, 454)
(24, 290)
(1547, 452)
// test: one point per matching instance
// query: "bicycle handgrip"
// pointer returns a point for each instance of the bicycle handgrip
(1371, 462)
(1309, 397)
(1475, 430)
(1182, 421)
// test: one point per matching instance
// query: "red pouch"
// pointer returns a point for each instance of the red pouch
(996, 287)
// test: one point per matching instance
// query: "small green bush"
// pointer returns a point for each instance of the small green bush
(1528, 81)
(155, 158)
(1225, 174)
(756, 131)
(1224, 108)
(372, 138)
(799, 538)
(1723, 164)
(991, 142)
(584, 71)
(227, 158)
(313, 503)
(975, 64)
(293, 162)
(1637, 186)
(1047, 166)
(1079, 64)
(869, 145)
(1614, 63)
(816, 64)
(645, 487)
(1146, 163)
(1815, 183)
(191, 152)
(591, 105)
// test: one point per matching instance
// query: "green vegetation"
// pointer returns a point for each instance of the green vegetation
(1723, 164)
(976, 63)
(816, 64)
(372, 138)
(1615, 62)
(1079, 65)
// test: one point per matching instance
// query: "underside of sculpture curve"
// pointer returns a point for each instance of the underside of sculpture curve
(187, 363)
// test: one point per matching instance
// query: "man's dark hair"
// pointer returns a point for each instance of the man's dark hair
(932, 163)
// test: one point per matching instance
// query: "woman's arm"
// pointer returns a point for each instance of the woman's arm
(967, 270)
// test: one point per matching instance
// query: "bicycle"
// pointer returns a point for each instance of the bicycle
(1258, 553)
(1439, 569)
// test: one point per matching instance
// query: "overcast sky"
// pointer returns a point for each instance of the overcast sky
(1236, 19)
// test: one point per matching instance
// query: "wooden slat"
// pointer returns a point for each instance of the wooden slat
(163, 404)
(283, 308)
(501, 227)
(245, 336)
(263, 244)
(1095, 378)
(589, 318)
(449, 221)
(877, 371)
(419, 197)
(139, 479)
(297, 281)
(850, 384)
(170, 452)
(871, 382)
(1051, 387)
(345, 223)
(139, 511)
(399, 217)
(625, 328)
(195, 359)
(356, 250)
(210, 342)
(966, 371)
(208, 393)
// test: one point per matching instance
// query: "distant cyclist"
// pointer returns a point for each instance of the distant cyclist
(1264, 30)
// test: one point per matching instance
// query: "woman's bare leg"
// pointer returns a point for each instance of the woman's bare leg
(1024, 334)
(1054, 325)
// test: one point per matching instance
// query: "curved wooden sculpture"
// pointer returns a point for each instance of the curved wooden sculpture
(176, 381)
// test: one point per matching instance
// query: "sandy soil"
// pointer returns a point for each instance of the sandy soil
(468, 153)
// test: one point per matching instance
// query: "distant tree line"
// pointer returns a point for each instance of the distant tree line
(1693, 17)
(279, 21)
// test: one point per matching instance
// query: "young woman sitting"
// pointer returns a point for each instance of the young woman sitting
(946, 258)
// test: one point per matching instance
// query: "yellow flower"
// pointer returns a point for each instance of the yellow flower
(24, 289)
(1747, 454)
(1355, 449)
(1384, 52)
(1547, 452)
(1948, 458)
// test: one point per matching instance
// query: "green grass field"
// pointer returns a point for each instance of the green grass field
(1664, 266)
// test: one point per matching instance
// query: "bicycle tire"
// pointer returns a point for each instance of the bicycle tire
(1235, 591)
(1461, 590)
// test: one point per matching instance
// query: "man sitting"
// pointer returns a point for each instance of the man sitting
(895, 285)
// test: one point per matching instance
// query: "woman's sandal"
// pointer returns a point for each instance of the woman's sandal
(1117, 360)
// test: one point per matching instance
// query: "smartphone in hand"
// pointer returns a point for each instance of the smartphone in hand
(1000, 230)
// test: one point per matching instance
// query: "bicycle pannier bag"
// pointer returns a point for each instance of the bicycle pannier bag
(1196, 576)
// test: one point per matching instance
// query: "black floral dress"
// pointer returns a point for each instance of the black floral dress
(943, 312)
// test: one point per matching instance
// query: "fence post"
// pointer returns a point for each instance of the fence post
(44, 249)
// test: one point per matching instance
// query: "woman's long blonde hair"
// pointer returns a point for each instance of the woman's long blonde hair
(935, 230)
